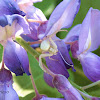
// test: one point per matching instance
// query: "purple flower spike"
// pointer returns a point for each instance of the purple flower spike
(16, 59)
(91, 66)
(62, 16)
(65, 88)
(6, 89)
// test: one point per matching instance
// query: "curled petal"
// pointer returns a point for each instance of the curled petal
(65, 88)
(91, 66)
(9, 7)
(62, 16)
(16, 59)
(89, 34)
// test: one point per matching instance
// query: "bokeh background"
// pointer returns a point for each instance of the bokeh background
(22, 84)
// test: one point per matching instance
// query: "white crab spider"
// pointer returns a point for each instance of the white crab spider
(47, 45)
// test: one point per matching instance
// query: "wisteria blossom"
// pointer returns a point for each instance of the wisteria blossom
(25, 29)
(54, 48)
(65, 88)
(12, 23)
(6, 89)
(87, 35)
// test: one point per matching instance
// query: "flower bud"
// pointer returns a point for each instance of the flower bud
(6, 89)
(65, 88)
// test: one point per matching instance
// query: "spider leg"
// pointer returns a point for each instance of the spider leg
(54, 44)
(40, 60)
(52, 58)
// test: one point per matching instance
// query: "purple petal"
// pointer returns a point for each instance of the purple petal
(16, 59)
(63, 51)
(91, 66)
(5, 75)
(56, 65)
(6, 89)
(47, 98)
(37, 15)
(73, 34)
(48, 79)
(65, 88)
(11, 25)
(89, 34)
(42, 29)
(62, 16)
(28, 39)
(74, 48)
(9, 7)
(22, 26)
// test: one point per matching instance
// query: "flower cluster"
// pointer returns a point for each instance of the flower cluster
(21, 18)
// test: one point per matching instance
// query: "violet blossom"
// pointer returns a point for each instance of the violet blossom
(6, 89)
(62, 17)
(88, 41)
(12, 23)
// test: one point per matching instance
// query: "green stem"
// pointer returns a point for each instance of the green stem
(91, 85)
(27, 47)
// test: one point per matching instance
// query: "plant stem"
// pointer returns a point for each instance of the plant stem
(27, 47)
(3, 59)
(33, 83)
(91, 85)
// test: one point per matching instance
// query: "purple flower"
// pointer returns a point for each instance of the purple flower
(15, 58)
(62, 84)
(6, 89)
(13, 24)
(39, 23)
(13, 52)
(59, 60)
(88, 40)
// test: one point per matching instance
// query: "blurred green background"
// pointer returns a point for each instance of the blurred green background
(22, 84)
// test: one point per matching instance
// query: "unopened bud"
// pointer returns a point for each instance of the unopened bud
(6, 89)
